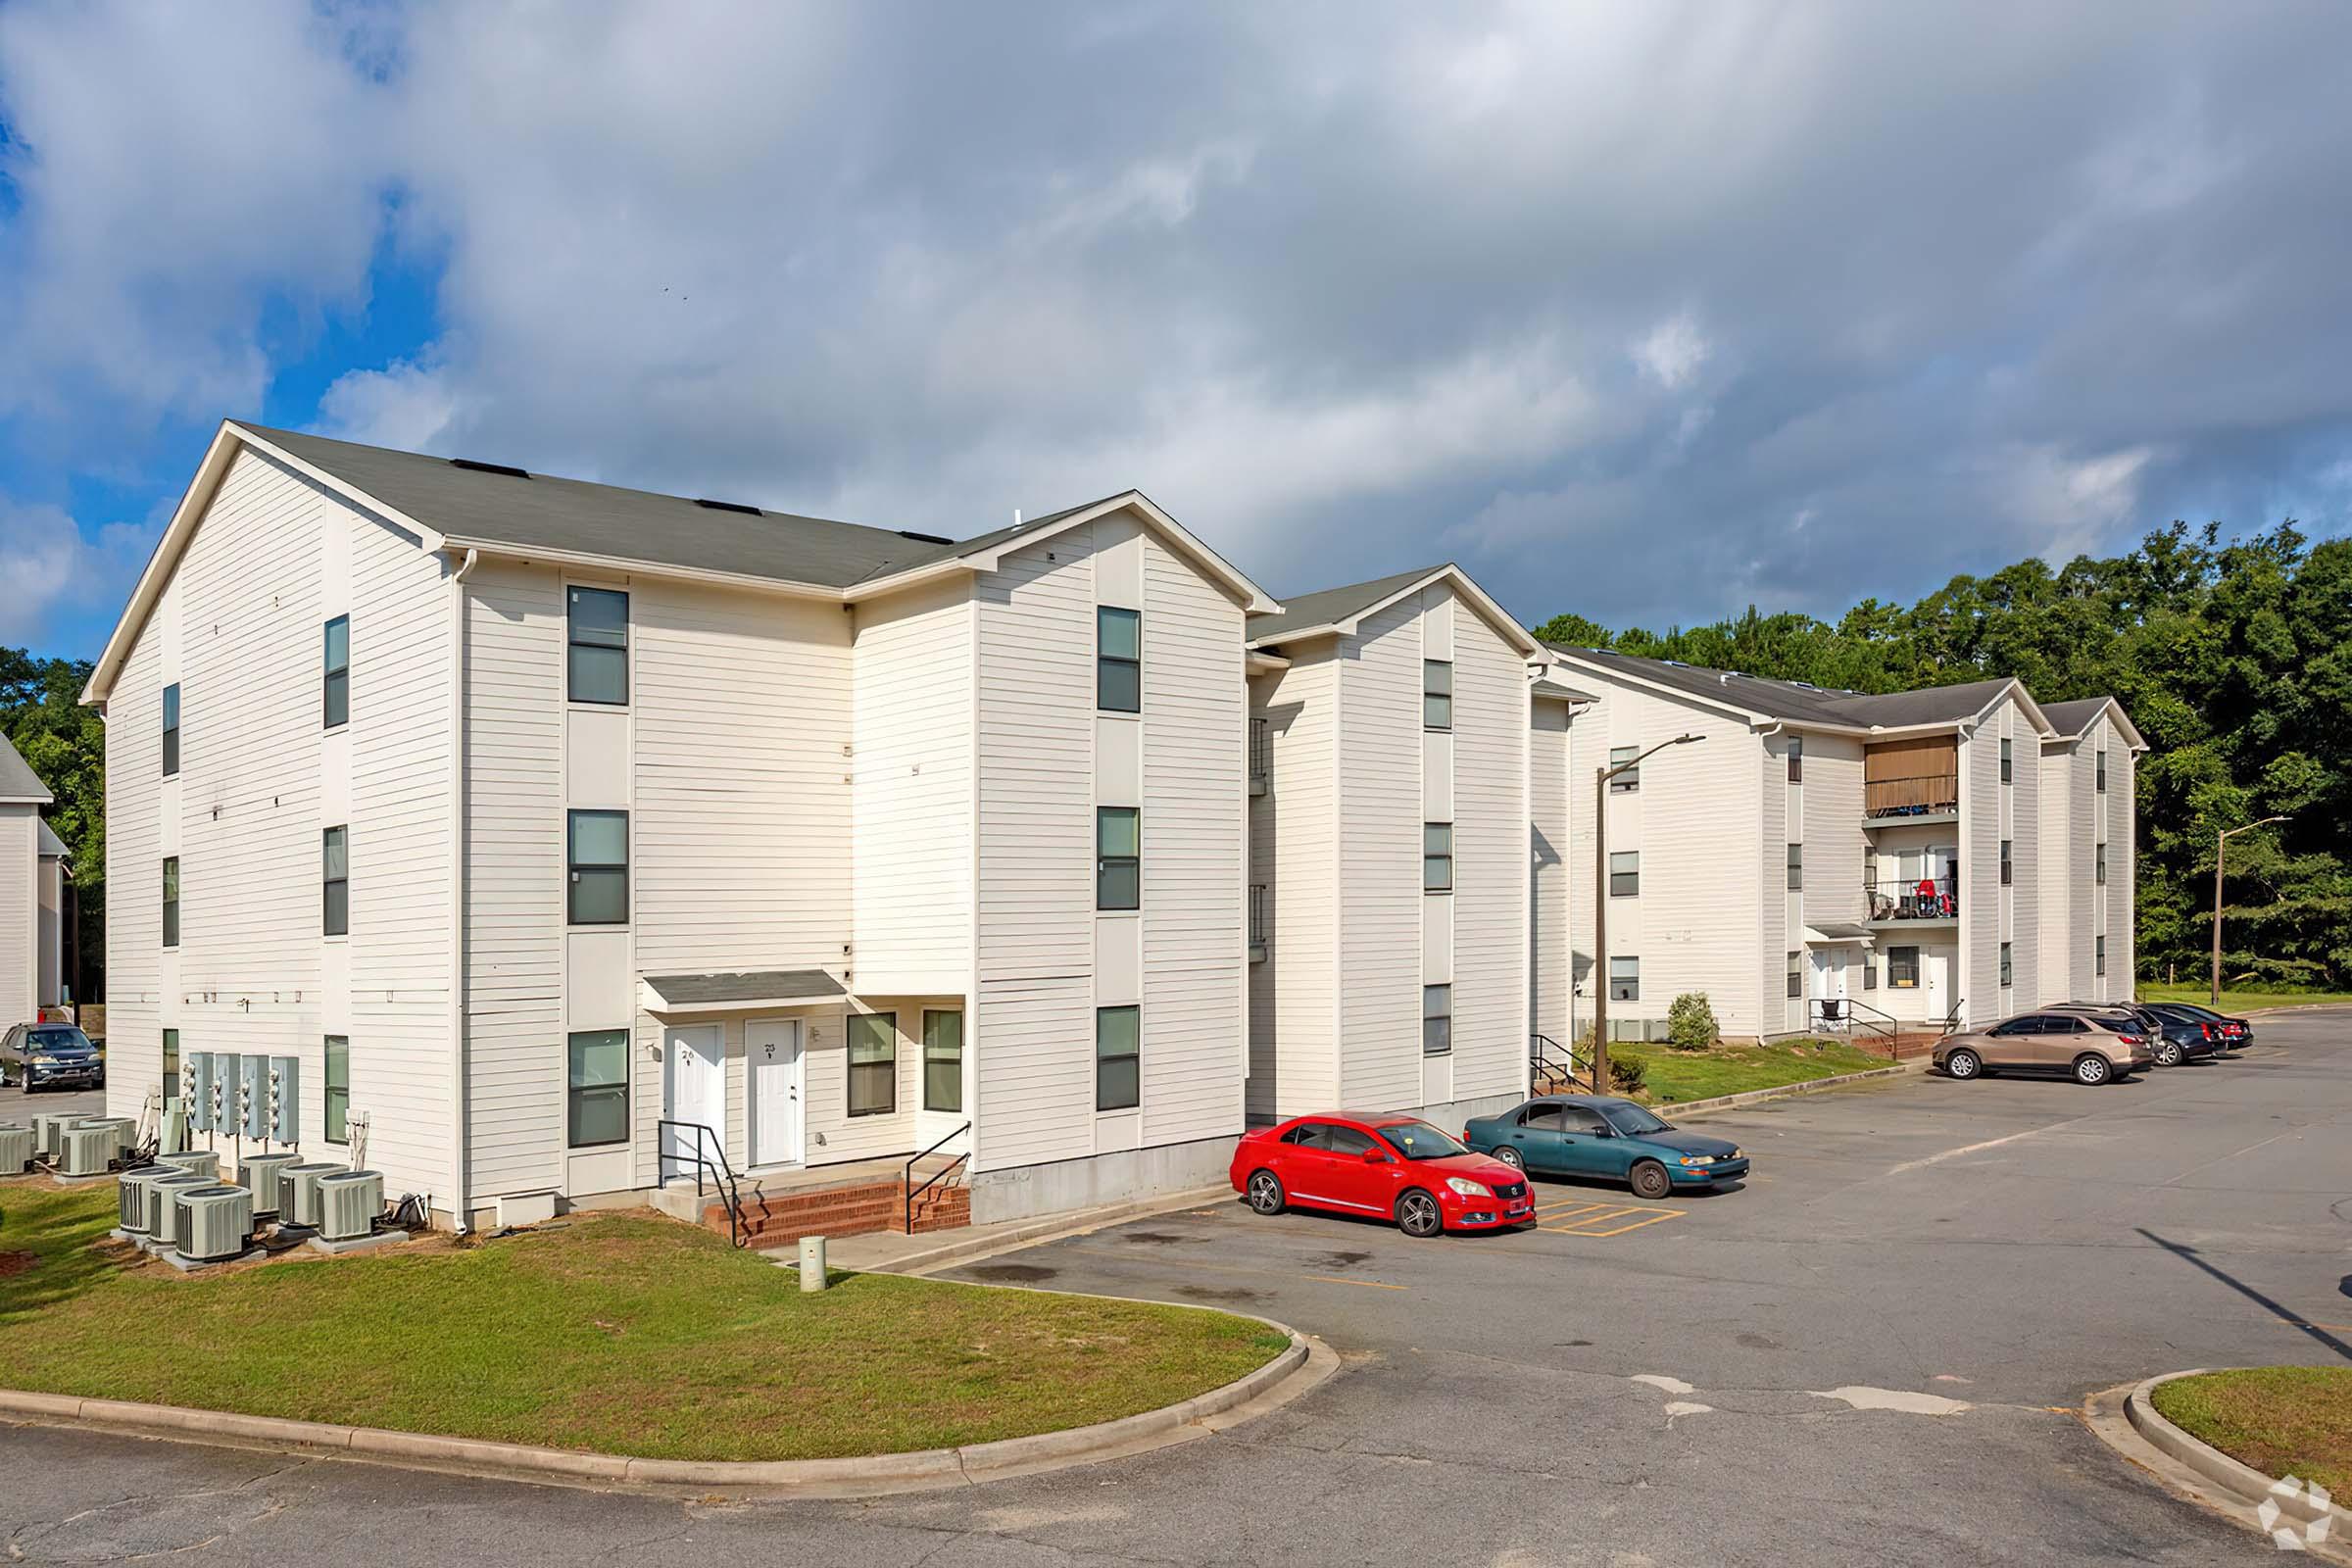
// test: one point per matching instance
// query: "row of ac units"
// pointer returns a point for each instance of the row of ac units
(180, 1204)
(73, 1146)
(247, 1097)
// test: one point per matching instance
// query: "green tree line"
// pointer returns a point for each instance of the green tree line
(65, 744)
(2233, 658)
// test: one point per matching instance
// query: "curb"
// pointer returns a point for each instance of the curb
(2127, 1420)
(1048, 1228)
(1810, 1086)
(1300, 1367)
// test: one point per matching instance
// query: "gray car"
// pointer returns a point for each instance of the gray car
(50, 1055)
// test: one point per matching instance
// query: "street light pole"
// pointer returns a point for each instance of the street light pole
(1601, 910)
(2221, 850)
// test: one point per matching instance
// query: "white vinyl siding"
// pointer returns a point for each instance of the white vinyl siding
(1552, 745)
(1294, 994)
(19, 910)
(1836, 845)
(1976, 981)
(1379, 846)
(1490, 974)
(912, 813)
(1194, 715)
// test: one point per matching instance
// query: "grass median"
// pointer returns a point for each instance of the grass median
(616, 1333)
(2282, 1420)
(1677, 1077)
(2239, 1002)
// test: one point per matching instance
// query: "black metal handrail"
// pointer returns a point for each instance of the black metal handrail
(949, 1169)
(1261, 756)
(1952, 1020)
(1919, 898)
(1826, 1009)
(723, 1174)
(1552, 1065)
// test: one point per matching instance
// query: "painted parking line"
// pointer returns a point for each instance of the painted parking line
(1601, 1219)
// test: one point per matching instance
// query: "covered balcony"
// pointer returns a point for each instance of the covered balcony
(1896, 900)
(1911, 781)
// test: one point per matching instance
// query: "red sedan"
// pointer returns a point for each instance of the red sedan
(1358, 1162)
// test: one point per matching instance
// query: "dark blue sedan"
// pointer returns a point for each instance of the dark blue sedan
(1615, 1139)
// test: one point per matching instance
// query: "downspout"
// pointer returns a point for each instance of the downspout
(461, 1202)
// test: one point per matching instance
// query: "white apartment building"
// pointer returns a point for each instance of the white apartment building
(1391, 886)
(1918, 857)
(523, 816)
(33, 885)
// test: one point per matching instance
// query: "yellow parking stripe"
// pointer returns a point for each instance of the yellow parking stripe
(1555, 1210)
(1600, 1219)
(1651, 1218)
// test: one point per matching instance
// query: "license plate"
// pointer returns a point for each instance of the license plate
(1519, 1208)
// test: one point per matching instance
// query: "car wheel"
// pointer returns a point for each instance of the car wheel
(1417, 1214)
(1650, 1181)
(2168, 1054)
(1266, 1195)
(2092, 1069)
(1963, 1063)
(1510, 1156)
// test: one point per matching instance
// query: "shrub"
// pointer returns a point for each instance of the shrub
(1626, 1074)
(1691, 1022)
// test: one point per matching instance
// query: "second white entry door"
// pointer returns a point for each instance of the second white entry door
(771, 1052)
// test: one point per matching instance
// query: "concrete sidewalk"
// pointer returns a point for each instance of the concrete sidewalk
(888, 1253)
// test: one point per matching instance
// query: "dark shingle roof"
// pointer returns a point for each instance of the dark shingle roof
(573, 516)
(1308, 610)
(1797, 703)
(2069, 719)
(17, 780)
(759, 985)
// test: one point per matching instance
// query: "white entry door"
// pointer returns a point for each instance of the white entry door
(1935, 978)
(772, 1053)
(694, 1090)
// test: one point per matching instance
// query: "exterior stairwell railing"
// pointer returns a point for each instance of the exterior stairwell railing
(1552, 1068)
(723, 1174)
(907, 1221)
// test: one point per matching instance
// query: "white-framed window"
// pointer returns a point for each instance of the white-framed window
(1629, 780)
(596, 1088)
(1437, 1020)
(335, 695)
(334, 881)
(2098, 862)
(1625, 978)
(2007, 776)
(943, 1058)
(2098, 956)
(597, 651)
(1625, 874)
(2102, 773)
(1796, 867)
(2008, 870)
(1437, 694)
(1797, 974)
(874, 1064)
(1118, 1059)
(2006, 976)
(1118, 660)
(338, 1089)
(1436, 857)
(171, 730)
(1797, 758)
(597, 883)
(171, 901)
(1902, 968)
(1119, 857)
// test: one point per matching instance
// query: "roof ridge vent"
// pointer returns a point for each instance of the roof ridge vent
(477, 466)
(727, 506)
(926, 538)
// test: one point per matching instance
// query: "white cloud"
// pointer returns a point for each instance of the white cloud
(50, 568)
(1672, 353)
(405, 405)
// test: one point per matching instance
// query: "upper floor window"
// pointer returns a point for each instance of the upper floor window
(1629, 780)
(2007, 978)
(1625, 979)
(170, 1066)
(1437, 1020)
(1796, 867)
(2006, 864)
(1118, 1059)
(2098, 956)
(1797, 974)
(597, 849)
(2006, 774)
(597, 659)
(335, 880)
(338, 1089)
(1436, 857)
(2098, 862)
(171, 901)
(1625, 874)
(1119, 857)
(1437, 694)
(336, 697)
(1797, 758)
(1118, 660)
(2102, 770)
(171, 729)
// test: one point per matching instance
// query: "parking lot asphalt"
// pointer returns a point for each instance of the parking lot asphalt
(1868, 1353)
(18, 1106)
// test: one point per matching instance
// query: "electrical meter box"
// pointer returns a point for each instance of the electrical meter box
(203, 1088)
(286, 1100)
(253, 1095)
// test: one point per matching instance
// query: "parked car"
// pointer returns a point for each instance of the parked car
(2172, 1041)
(2229, 1034)
(50, 1055)
(1598, 1135)
(1367, 1162)
(2089, 1048)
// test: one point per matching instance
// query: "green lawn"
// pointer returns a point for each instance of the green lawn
(617, 1333)
(2282, 1420)
(1677, 1077)
(2237, 1002)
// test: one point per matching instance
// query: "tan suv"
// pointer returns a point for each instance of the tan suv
(2090, 1047)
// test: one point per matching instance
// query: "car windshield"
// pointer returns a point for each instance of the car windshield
(1634, 1121)
(61, 1037)
(1418, 1140)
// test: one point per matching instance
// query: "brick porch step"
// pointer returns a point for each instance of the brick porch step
(858, 1209)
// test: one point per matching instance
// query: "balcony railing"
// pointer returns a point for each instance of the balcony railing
(1919, 795)
(1927, 898)
(1258, 921)
(1261, 756)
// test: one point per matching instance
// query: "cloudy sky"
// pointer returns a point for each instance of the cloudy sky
(1644, 310)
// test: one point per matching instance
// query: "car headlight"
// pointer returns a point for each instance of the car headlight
(1698, 1160)
(1467, 1187)
(44, 1061)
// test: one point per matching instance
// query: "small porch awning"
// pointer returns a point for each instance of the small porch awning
(670, 995)
(1835, 933)
(1554, 690)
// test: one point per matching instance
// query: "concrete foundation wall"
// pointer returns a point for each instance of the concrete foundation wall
(1023, 1192)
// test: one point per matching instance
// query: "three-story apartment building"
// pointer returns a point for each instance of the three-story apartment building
(32, 904)
(1912, 857)
(553, 830)
(1397, 740)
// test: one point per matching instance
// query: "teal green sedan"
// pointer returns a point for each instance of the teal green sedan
(1614, 1140)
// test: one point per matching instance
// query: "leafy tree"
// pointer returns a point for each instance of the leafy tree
(65, 744)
